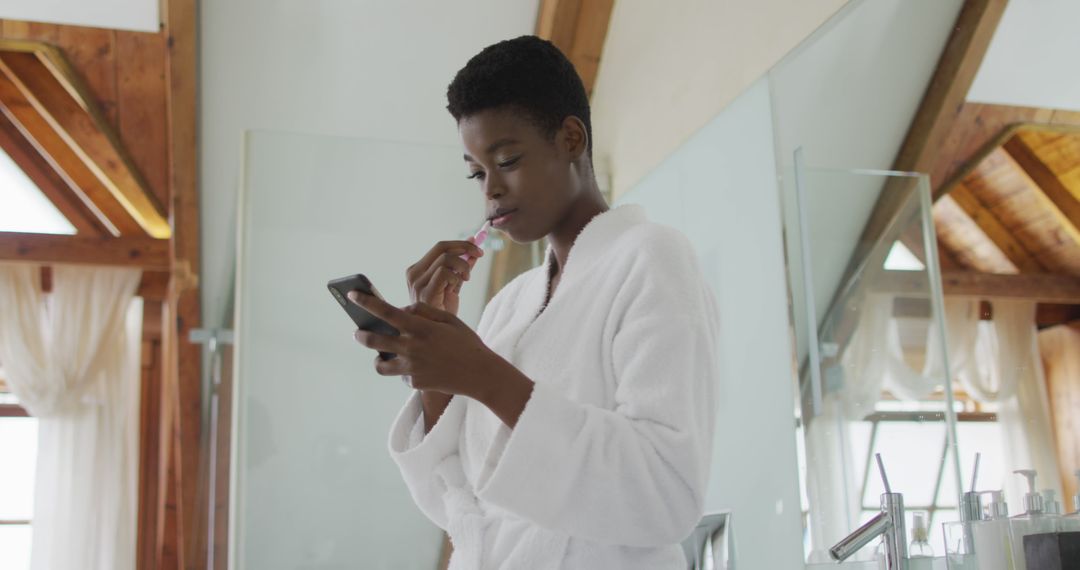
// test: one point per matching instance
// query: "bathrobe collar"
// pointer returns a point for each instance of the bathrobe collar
(594, 240)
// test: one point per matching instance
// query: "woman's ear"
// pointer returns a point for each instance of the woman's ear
(574, 137)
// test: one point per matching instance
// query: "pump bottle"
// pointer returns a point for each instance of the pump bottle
(1034, 519)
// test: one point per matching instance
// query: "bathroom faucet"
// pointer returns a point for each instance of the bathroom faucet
(889, 522)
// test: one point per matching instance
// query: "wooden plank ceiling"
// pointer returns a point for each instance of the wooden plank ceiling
(1013, 207)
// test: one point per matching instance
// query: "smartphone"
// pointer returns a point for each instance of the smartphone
(364, 320)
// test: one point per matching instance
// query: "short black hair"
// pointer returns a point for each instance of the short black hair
(528, 74)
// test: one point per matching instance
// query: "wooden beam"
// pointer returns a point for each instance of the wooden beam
(995, 230)
(146, 253)
(87, 137)
(1052, 186)
(937, 112)
(1060, 351)
(149, 436)
(980, 128)
(1042, 288)
(184, 305)
(51, 184)
(91, 192)
(578, 28)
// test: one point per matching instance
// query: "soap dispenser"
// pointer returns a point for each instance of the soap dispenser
(920, 535)
(992, 535)
(1071, 522)
(1034, 519)
(1052, 506)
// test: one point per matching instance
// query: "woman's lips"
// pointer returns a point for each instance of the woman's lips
(501, 220)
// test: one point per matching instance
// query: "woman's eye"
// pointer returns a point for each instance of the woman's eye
(480, 173)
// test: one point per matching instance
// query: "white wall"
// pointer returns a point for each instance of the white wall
(720, 189)
(139, 15)
(363, 68)
(669, 67)
(1032, 59)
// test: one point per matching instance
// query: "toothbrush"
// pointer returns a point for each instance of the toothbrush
(479, 238)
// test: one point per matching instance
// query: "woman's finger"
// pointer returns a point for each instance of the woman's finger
(380, 342)
(394, 316)
(455, 247)
(394, 367)
(441, 281)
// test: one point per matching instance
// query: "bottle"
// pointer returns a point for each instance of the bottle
(1034, 520)
(993, 545)
(1071, 522)
(1052, 507)
(920, 545)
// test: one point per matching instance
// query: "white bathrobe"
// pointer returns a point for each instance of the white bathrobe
(607, 465)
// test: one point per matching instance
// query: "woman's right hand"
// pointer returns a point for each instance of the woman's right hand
(437, 278)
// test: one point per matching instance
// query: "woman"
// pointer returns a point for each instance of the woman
(574, 428)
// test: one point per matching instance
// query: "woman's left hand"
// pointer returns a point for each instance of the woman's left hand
(435, 348)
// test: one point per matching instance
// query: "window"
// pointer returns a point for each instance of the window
(916, 444)
(18, 450)
(23, 208)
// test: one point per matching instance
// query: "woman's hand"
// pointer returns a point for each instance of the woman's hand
(437, 278)
(435, 348)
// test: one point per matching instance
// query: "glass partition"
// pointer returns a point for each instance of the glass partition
(873, 373)
(313, 483)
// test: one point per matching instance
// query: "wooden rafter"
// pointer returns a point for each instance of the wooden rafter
(578, 28)
(1002, 237)
(1042, 288)
(80, 179)
(42, 84)
(55, 188)
(1063, 197)
(147, 253)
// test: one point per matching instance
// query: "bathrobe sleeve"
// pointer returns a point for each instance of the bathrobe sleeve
(634, 475)
(430, 464)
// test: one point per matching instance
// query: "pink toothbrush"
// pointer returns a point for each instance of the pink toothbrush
(478, 239)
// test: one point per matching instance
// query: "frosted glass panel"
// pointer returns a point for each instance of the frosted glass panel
(314, 484)
(720, 190)
(867, 315)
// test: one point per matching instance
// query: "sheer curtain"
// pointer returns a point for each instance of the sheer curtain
(994, 362)
(999, 362)
(72, 359)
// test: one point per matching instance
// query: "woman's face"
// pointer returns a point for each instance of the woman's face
(518, 169)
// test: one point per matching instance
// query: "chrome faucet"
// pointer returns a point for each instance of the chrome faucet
(889, 522)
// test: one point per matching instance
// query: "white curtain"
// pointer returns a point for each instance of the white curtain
(995, 361)
(998, 362)
(72, 359)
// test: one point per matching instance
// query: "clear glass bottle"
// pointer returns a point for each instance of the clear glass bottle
(920, 538)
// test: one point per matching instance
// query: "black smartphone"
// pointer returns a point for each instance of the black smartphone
(364, 320)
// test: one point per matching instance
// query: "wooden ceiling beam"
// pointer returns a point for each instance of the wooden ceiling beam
(94, 196)
(51, 184)
(578, 28)
(1042, 288)
(52, 98)
(995, 230)
(1063, 198)
(147, 253)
